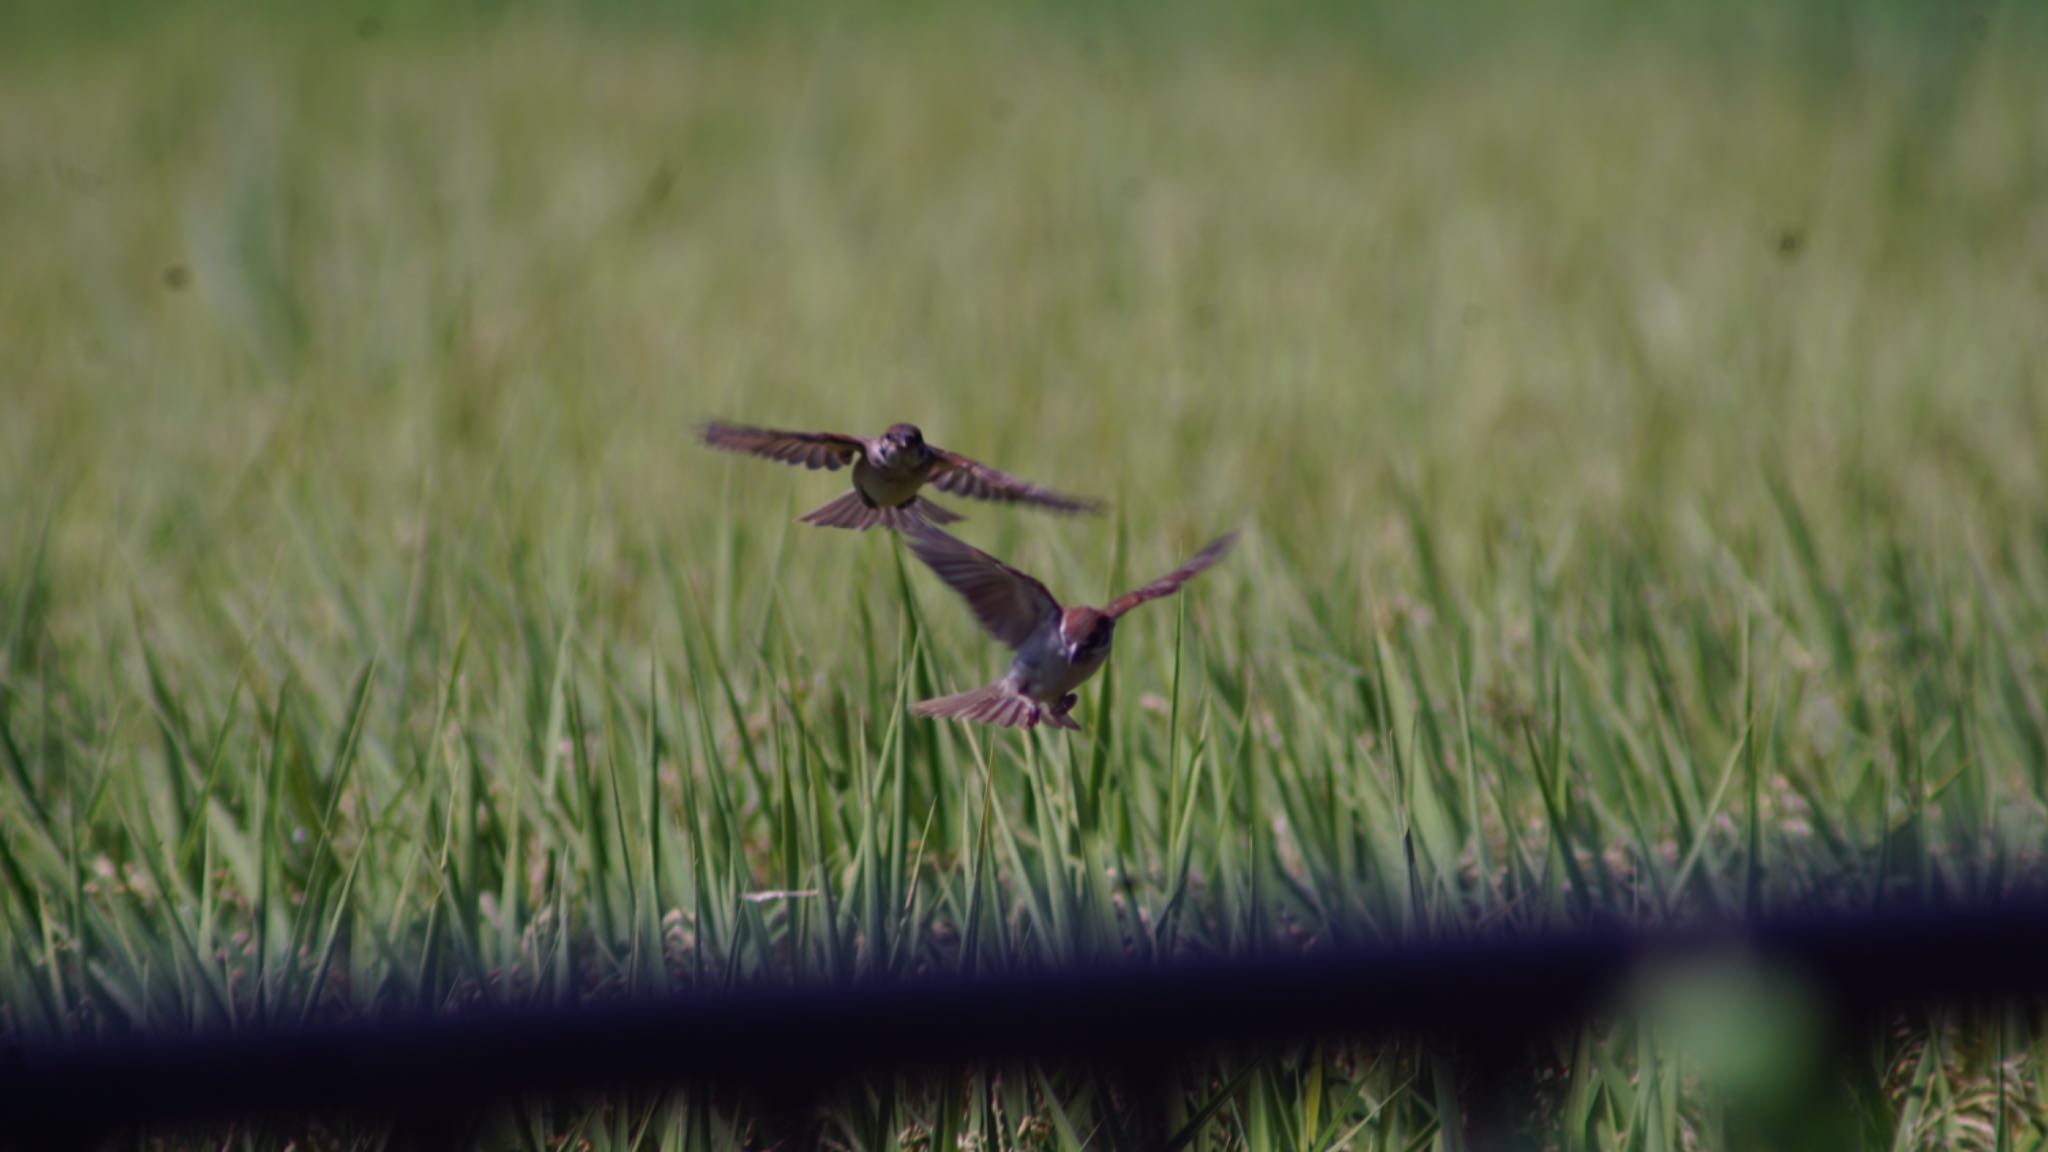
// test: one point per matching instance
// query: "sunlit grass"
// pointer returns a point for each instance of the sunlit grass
(1638, 452)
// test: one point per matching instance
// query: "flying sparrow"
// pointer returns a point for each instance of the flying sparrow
(1057, 648)
(888, 470)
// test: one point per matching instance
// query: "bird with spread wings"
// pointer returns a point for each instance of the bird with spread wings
(888, 472)
(1057, 648)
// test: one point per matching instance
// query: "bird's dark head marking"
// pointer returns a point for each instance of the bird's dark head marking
(1085, 633)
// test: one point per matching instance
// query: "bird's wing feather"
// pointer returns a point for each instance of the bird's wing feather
(1170, 583)
(1008, 603)
(828, 450)
(955, 473)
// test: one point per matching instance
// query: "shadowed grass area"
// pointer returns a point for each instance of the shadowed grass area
(1637, 442)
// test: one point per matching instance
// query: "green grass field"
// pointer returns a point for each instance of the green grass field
(1635, 428)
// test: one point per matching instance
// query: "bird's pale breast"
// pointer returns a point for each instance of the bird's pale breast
(887, 487)
(1044, 674)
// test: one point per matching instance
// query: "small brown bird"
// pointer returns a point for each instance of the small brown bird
(1057, 648)
(888, 470)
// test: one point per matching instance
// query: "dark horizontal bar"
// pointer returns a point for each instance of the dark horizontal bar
(789, 1041)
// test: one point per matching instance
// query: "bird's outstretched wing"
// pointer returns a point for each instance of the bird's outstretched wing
(957, 474)
(828, 450)
(1008, 603)
(1170, 583)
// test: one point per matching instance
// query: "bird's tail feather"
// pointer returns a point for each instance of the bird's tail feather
(854, 511)
(997, 704)
(848, 511)
(931, 513)
(1054, 718)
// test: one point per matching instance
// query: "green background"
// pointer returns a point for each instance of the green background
(1633, 413)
